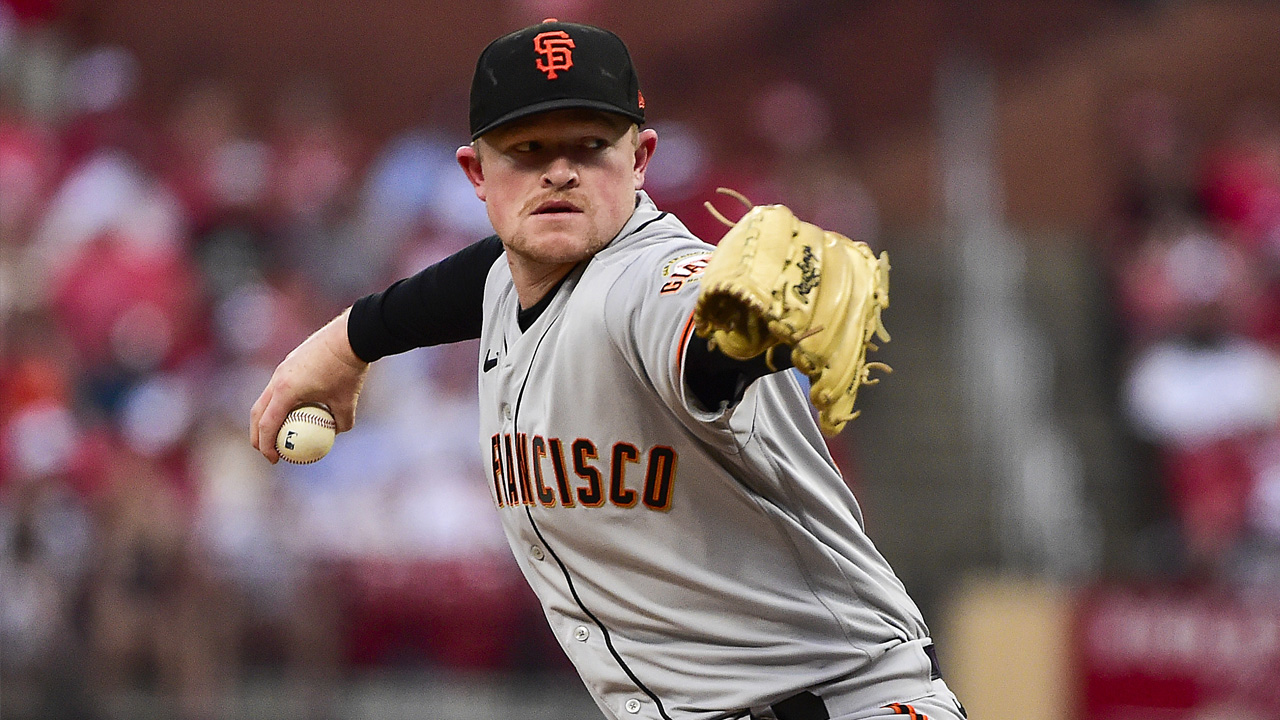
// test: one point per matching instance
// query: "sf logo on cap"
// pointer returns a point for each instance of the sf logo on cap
(555, 48)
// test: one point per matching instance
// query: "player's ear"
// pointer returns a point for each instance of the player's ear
(469, 159)
(646, 143)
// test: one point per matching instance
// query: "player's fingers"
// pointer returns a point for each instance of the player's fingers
(268, 427)
(344, 414)
(269, 422)
(255, 416)
(341, 419)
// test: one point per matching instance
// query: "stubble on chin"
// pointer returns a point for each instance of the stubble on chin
(555, 246)
(555, 250)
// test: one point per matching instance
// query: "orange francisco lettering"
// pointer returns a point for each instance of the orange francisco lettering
(513, 491)
(522, 465)
(619, 494)
(659, 477)
(562, 477)
(584, 451)
(498, 489)
(546, 495)
(520, 478)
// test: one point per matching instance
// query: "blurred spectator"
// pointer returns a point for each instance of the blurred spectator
(1180, 265)
(1260, 567)
(416, 206)
(312, 186)
(41, 434)
(1207, 397)
(45, 533)
(212, 165)
(282, 605)
(33, 613)
(686, 172)
(155, 611)
(1197, 302)
(1241, 179)
(417, 179)
(821, 189)
(29, 163)
(791, 117)
(102, 107)
(313, 154)
(1241, 186)
(1157, 168)
(128, 303)
(32, 57)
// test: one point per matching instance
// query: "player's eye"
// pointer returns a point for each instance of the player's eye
(528, 146)
(596, 143)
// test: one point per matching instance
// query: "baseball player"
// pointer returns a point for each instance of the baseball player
(665, 489)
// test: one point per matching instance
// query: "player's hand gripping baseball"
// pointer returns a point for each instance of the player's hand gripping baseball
(323, 369)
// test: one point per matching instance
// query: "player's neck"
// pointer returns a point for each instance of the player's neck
(534, 280)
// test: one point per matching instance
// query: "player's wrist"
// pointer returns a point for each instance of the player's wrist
(338, 342)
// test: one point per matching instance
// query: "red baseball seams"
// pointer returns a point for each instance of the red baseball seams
(308, 416)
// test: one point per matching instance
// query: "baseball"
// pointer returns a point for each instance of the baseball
(306, 435)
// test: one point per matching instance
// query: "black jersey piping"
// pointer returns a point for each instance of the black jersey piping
(608, 640)
(647, 223)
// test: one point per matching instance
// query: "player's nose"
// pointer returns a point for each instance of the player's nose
(560, 173)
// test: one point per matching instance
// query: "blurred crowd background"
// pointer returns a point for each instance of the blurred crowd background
(177, 212)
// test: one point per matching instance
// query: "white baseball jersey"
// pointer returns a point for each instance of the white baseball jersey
(692, 564)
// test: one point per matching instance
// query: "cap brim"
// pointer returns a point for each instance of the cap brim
(560, 104)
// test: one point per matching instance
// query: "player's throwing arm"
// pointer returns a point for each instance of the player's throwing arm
(323, 371)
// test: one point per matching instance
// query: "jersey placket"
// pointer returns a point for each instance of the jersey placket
(582, 632)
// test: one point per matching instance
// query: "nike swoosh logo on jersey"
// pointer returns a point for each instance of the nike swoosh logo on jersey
(489, 362)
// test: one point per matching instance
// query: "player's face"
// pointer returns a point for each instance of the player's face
(559, 185)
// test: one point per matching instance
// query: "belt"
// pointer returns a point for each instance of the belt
(935, 670)
(807, 706)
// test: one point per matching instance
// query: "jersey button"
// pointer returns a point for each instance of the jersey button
(536, 553)
(633, 706)
(581, 633)
(506, 410)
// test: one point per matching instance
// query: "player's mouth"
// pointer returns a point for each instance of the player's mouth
(554, 207)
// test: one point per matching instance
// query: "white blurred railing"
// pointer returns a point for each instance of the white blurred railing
(1006, 364)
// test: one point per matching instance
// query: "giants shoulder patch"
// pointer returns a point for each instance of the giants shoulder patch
(683, 269)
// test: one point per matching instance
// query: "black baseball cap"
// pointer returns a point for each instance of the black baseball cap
(552, 66)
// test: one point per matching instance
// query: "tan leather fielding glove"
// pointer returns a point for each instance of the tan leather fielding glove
(775, 280)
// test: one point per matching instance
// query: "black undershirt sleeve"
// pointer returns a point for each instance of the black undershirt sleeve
(441, 304)
(716, 379)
